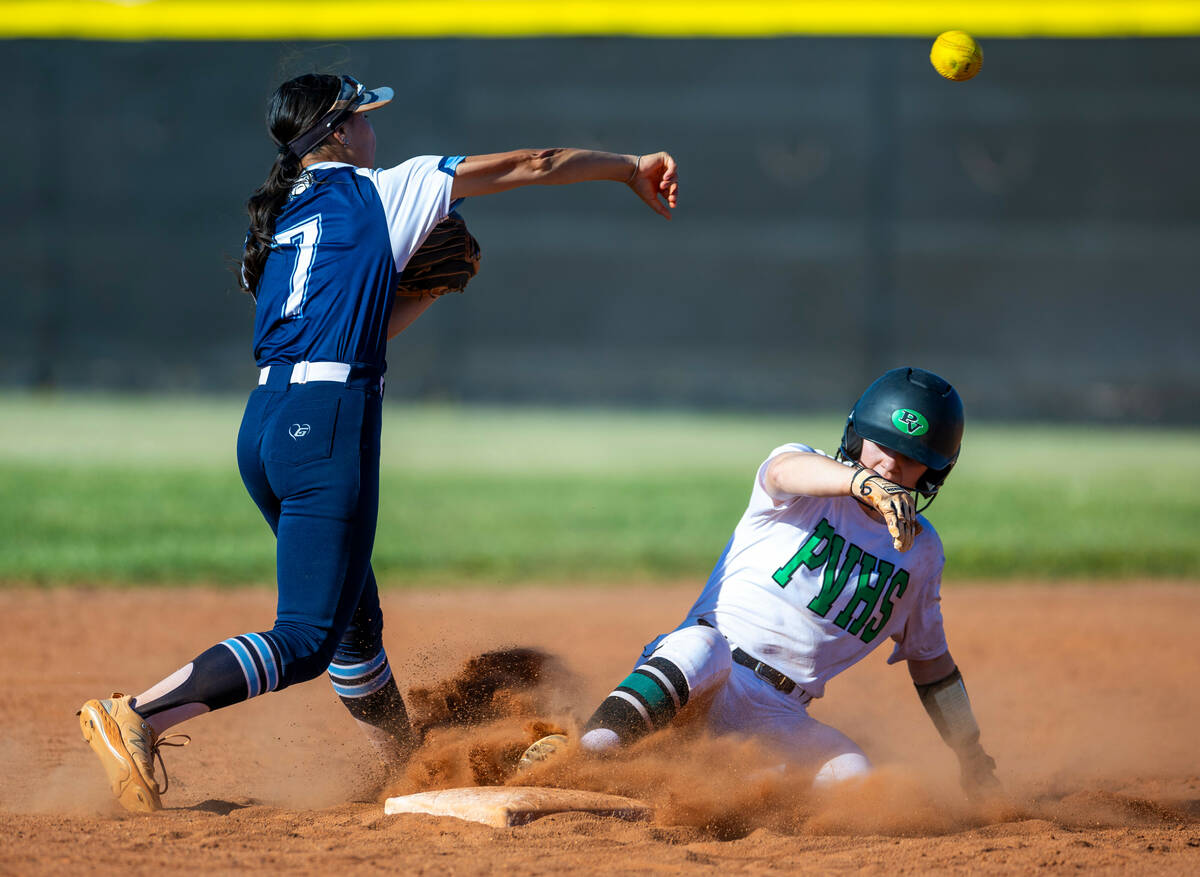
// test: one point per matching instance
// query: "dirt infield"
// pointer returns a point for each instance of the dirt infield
(1087, 698)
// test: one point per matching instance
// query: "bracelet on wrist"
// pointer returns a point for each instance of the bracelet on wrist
(637, 163)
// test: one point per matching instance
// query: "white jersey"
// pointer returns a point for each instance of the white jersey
(811, 585)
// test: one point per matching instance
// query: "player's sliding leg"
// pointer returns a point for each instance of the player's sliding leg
(746, 704)
(362, 678)
(682, 666)
(840, 769)
(675, 670)
(832, 756)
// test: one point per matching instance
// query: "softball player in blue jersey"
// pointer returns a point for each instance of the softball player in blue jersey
(329, 236)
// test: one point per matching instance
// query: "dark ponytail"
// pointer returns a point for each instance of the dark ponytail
(295, 107)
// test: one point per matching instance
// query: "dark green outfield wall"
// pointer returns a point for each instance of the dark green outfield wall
(1033, 234)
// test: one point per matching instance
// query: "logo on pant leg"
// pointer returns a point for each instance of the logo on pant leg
(298, 430)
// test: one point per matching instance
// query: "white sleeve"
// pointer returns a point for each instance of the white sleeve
(774, 503)
(761, 500)
(923, 637)
(416, 197)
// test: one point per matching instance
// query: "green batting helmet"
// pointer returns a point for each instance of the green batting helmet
(912, 412)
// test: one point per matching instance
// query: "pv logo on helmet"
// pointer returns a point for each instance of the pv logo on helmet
(910, 422)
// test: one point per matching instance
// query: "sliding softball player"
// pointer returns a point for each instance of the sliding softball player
(830, 559)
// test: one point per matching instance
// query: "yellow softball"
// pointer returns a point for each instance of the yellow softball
(956, 55)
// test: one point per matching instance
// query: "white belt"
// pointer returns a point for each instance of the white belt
(303, 372)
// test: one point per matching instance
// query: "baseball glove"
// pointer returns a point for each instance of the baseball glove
(445, 262)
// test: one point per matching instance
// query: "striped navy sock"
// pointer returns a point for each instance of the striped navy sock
(373, 699)
(259, 659)
(237, 669)
(646, 700)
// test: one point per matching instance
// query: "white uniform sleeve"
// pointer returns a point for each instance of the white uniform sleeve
(763, 497)
(923, 637)
(416, 197)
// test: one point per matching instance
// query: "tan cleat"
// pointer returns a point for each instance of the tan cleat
(126, 747)
(548, 747)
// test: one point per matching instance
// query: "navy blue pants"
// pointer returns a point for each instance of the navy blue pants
(309, 456)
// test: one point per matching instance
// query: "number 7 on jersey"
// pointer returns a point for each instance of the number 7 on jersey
(304, 238)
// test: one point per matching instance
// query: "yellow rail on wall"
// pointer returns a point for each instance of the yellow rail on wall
(371, 19)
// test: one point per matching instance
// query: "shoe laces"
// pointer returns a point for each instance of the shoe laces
(166, 740)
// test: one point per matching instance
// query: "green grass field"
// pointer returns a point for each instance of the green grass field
(145, 490)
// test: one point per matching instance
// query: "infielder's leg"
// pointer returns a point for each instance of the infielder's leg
(676, 669)
(323, 514)
(362, 678)
(315, 552)
(325, 528)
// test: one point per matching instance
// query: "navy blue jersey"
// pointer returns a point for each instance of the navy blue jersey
(326, 290)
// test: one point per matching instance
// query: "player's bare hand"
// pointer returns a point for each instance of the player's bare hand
(656, 181)
(890, 500)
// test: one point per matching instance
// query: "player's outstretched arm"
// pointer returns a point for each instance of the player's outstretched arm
(653, 177)
(944, 696)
